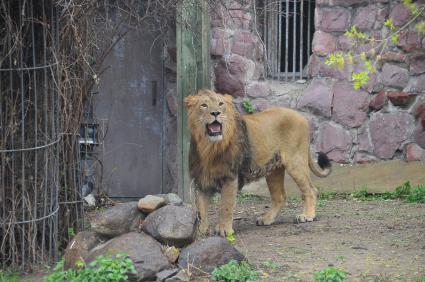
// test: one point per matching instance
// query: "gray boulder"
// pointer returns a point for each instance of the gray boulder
(143, 250)
(171, 225)
(117, 220)
(163, 275)
(207, 254)
(79, 248)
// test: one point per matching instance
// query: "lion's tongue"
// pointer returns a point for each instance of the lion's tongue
(214, 127)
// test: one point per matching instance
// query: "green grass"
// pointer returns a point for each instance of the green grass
(105, 269)
(269, 264)
(330, 274)
(234, 271)
(245, 197)
(403, 192)
(8, 277)
(421, 279)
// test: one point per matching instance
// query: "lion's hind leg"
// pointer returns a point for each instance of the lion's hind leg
(275, 182)
(301, 176)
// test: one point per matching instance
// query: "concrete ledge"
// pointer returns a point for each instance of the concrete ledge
(378, 177)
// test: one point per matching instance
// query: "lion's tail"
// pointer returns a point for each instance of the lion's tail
(325, 167)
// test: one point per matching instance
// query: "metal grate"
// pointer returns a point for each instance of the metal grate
(288, 33)
(29, 133)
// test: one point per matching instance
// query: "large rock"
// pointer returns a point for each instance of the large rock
(363, 158)
(79, 248)
(335, 141)
(117, 220)
(365, 17)
(394, 76)
(143, 250)
(389, 131)
(378, 101)
(258, 89)
(150, 203)
(232, 73)
(331, 19)
(323, 43)
(414, 153)
(409, 40)
(417, 64)
(172, 225)
(317, 98)
(349, 105)
(402, 99)
(419, 135)
(400, 14)
(416, 84)
(208, 253)
(318, 67)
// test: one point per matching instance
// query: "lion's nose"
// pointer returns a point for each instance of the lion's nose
(215, 113)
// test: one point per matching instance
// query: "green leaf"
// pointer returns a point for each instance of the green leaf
(360, 79)
(395, 38)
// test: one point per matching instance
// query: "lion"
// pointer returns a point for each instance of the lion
(229, 150)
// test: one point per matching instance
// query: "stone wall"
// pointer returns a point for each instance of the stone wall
(386, 120)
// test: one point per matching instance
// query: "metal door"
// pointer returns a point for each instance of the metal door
(130, 108)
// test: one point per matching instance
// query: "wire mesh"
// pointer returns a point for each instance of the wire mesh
(32, 160)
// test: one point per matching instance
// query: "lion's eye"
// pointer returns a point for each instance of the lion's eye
(204, 106)
(220, 104)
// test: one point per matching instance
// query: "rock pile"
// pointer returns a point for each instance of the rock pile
(158, 233)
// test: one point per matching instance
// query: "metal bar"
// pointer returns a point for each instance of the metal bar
(294, 42)
(279, 39)
(286, 39)
(35, 215)
(21, 64)
(308, 27)
(45, 160)
(301, 37)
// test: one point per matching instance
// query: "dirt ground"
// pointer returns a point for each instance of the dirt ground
(370, 240)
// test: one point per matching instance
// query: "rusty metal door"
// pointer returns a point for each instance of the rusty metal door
(130, 108)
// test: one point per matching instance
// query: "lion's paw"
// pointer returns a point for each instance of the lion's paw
(223, 230)
(203, 229)
(302, 218)
(264, 220)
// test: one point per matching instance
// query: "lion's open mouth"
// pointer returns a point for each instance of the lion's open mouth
(214, 128)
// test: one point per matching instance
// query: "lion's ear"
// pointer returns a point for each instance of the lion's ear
(190, 101)
(228, 98)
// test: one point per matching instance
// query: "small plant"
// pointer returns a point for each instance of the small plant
(421, 279)
(361, 194)
(234, 271)
(417, 195)
(103, 269)
(270, 265)
(248, 107)
(8, 277)
(71, 232)
(248, 197)
(231, 238)
(330, 274)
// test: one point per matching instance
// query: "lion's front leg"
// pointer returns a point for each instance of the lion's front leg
(202, 203)
(227, 205)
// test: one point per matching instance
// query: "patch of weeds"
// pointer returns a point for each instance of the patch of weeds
(215, 199)
(248, 197)
(270, 265)
(341, 258)
(231, 238)
(106, 269)
(403, 192)
(234, 271)
(330, 274)
(9, 277)
(71, 232)
(361, 194)
(421, 279)
(327, 195)
(248, 106)
(417, 195)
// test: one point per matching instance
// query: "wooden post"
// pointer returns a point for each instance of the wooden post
(193, 73)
